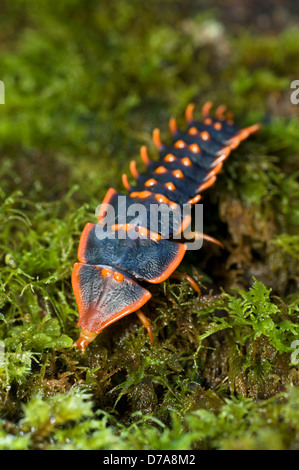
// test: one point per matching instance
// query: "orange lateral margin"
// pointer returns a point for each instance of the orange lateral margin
(83, 241)
(109, 195)
(122, 313)
(172, 266)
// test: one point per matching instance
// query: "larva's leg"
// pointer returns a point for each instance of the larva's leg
(145, 321)
(200, 236)
(86, 337)
(181, 276)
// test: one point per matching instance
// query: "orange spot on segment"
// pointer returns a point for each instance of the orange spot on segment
(169, 158)
(218, 126)
(178, 174)
(106, 272)
(164, 200)
(160, 170)
(170, 186)
(118, 276)
(189, 112)
(192, 131)
(194, 148)
(150, 182)
(141, 194)
(143, 231)
(155, 236)
(180, 144)
(186, 161)
(205, 135)
(207, 121)
(126, 227)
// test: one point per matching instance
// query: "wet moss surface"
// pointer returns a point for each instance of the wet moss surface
(85, 84)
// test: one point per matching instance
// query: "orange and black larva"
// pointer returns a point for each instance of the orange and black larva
(105, 281)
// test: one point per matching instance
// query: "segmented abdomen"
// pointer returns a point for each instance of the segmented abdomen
(185, 168)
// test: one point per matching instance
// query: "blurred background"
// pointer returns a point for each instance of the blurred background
(90, 79)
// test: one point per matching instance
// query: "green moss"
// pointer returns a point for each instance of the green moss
(69, 421)
(85, 84)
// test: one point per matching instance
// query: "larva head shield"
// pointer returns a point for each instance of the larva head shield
(103, 296)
